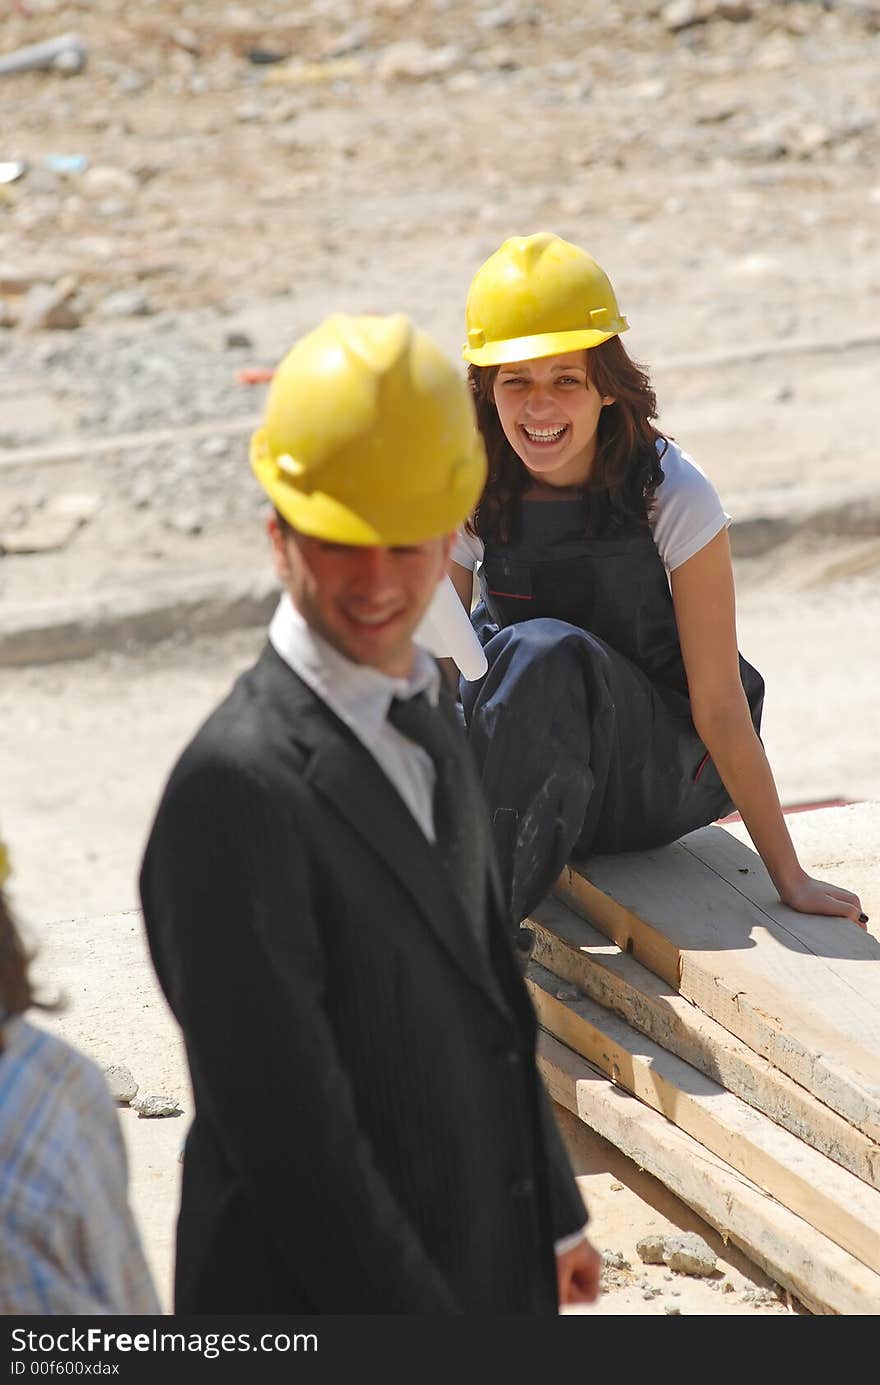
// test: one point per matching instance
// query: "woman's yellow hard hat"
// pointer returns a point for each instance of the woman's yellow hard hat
(369, 435)
(538, 296)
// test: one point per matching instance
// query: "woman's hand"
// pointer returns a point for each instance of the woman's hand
(811, 896)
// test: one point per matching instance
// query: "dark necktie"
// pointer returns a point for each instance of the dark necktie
(459, 809)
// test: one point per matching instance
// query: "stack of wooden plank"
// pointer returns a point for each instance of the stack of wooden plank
(729, 1046)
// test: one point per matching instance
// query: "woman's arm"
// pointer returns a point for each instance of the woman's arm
(463, 580)
(705, 609)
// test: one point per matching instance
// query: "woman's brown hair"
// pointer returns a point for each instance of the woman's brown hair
(626, 470)
(16, 994)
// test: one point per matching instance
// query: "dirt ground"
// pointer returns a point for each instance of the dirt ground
(186, 208)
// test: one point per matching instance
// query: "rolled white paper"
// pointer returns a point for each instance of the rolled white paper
(446, 632)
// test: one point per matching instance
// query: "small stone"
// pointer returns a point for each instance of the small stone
(736, 13)
(186, 522)
(498, 17)
(142, 493)
(685, 1253)
(80, 506)
(672, 1310)
(125, 303)
(153, 1107)
(13, 280)
(131, 83)
(616, 1187)
(690, 1254)
(728, 1288)
(110, 207)
(248, 112)
(808, 139)
(41, 533)
(413, 60)
(49, 306)
(651, 1249)
(106, 181)
(123, 1087)
(236, 340)
(681, 14)
(217, 446)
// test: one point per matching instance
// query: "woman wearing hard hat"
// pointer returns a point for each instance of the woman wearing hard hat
(617, 712)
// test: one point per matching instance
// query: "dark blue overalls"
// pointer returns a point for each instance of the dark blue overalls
(581, 727)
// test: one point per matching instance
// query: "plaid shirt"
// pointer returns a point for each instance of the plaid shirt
(68, 1242)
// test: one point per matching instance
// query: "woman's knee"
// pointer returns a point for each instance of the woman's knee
(545, 651)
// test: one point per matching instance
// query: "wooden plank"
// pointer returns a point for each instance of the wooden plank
(824, 1277)
(847, 954)
(678, 917)
(572, 949)
(830, 1198)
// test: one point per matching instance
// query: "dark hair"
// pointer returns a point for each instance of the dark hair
(16, 995)
(16, 992)
(626, 470)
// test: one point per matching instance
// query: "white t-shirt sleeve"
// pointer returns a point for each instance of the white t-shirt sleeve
(687, 511)
(467, 549)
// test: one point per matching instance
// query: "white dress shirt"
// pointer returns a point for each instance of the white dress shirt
(361, 696)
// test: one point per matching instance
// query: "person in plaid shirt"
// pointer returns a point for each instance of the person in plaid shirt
(68, 1241)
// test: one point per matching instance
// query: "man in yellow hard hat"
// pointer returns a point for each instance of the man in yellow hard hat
(370, 1134)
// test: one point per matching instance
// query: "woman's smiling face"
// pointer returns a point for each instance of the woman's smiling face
(549, 411)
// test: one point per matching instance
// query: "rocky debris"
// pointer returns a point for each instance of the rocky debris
(714, 66)
(49, 526)
(156, 1107)
(14, 280)
(414, 60)
(617, 1272)
(123, 1087)
(46, 524)
(124, 303)
(684, 1253)
(679, 15)
(567, 993)
(106, 180)
(762, 1297)
(236, 340)
(50, 306)
(66, 54)
(186, 521)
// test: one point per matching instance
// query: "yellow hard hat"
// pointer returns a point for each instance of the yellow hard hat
(369, 435)
(538, 296)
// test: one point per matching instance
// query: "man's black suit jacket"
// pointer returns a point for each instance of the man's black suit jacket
(371, 1134)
